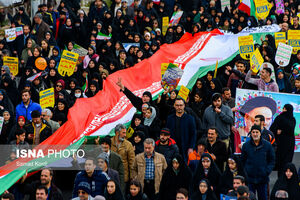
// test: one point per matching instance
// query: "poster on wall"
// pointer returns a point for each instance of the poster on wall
(250, 103)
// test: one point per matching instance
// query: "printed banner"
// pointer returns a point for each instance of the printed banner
(183, 92)
(19, 31)
(67, 63)
(280, 37)
(283, 54)
(224, 4)
(294, 40)
(80, 50)
(10, 34)
(171, 77)
(47, 98)
(175, 18)
(12, 63)
(165, 25)
(269, 104)
(256, 60)
(164, 67)
(262, 8)
(279, 6)
(246, 46)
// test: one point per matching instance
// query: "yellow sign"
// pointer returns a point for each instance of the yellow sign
(183, 92)
(256, 60)
(262, 8)
(280, 37)
(12, 63)
(164, 67)
(47, 98)
(165, 25)
(246, 46)
(67, 63)
(294, 40)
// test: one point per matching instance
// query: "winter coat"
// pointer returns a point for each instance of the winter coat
(55, 192)
(169, 150)
(187, 138)
(222, 121)
(220, 151)
(21, 110)
(40, 33)
(97, 182)
(115, 162)
(258, 161)
(45, 132)
(139, 168)
(127, 154)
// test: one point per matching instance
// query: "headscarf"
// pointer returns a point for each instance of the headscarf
(280, 82)
(289, 111)
(148, 122)
(117, 195)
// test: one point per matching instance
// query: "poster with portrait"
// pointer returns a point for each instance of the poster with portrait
(250, 103)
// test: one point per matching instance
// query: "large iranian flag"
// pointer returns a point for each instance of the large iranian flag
(97, 116)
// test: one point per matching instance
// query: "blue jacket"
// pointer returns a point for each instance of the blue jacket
(97, 182)
(258, 161)
(187, 131)
(21, 110)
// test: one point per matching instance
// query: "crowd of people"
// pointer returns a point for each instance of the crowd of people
(173, 149)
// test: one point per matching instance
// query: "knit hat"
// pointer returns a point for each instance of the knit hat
(104, 157)
(165, 131)
(85, 186)
(39, 15)
(255, 127)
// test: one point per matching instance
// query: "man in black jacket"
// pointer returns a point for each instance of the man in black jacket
(46, 179)
(20, 42)
(166, 145)
(216, 148)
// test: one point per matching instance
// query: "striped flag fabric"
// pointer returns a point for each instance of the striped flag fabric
(97, 116)
(86, 85)
(31, 78)
(248, 7)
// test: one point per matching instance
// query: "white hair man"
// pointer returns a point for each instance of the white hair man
(46, 115)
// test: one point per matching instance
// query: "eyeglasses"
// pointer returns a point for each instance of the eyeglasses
(60, 86)
(44, 115)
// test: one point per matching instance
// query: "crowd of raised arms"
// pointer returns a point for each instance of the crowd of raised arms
(173, 149)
